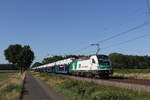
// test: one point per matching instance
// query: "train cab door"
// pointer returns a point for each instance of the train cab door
(94, 62)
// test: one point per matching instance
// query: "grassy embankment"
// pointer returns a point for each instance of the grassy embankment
(133, 73)
(82, 90)
(11, 85)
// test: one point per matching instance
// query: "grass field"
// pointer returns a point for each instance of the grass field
(133, 73)
(10, 85)
(82, 90)
(128, 71)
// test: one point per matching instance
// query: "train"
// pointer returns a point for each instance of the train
(89, 66)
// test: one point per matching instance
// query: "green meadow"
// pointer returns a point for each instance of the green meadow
(83, 90)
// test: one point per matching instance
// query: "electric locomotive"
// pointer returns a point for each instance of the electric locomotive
(94, 65)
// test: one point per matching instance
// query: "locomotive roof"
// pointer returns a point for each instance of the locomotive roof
(88, 57)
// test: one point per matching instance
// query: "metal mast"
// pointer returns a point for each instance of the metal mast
(98, 47)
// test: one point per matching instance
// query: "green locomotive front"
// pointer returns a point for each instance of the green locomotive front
(94, 65)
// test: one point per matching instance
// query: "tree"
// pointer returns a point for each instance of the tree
(51, 59)
(11, 53)
(118, 60)
(36, 64)
(20, 56)
(26, 56)
(129, 61)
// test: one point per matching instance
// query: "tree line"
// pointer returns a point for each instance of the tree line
(121, 61)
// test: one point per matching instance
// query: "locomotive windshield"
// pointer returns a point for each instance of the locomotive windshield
(103, 59)
(104, 62)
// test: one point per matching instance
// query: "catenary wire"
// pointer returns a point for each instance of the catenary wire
(125, 32)
(119, 34)
(127, 41)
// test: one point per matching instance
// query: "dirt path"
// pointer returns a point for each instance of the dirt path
(35, 89)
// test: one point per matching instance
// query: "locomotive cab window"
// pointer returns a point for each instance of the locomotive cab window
(93, 61)
(104, 62)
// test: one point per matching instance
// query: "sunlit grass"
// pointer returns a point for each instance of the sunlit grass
(133, 73)
(128, 71)
(10, 85)
(83, 90)
(145, 76)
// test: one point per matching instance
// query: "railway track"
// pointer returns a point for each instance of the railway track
(131, 81)
(136, 84)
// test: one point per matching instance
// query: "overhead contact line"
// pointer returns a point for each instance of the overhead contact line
(125, 32)
(127, 41)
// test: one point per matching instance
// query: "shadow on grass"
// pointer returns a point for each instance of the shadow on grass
(8, 71)
(118, 77)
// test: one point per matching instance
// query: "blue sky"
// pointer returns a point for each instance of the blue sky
(58, 27)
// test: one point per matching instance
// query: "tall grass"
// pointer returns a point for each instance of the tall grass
(10, 85)
(83, 90)
(129, 71)
(133, 73)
